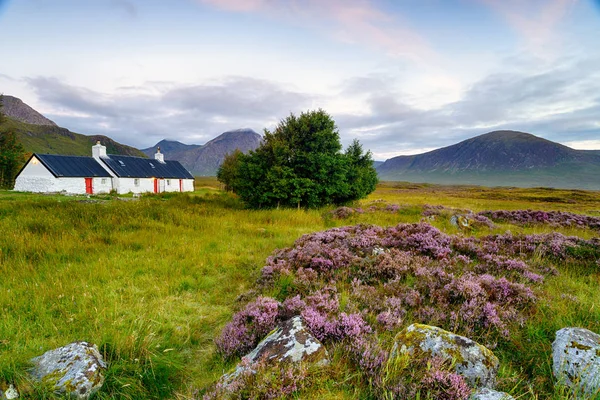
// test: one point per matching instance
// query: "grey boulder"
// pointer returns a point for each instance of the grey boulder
(75, 370)
(291, 342)
(576, 360)
(474, 362)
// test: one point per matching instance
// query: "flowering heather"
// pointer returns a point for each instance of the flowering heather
(553, 218)
(260, 381)
(441, 384)
(354, 283)
(248, 327)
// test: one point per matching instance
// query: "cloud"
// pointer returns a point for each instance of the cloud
(535, 20)
(141, 116)
(7, 77)
(351, 21)
(560, 104)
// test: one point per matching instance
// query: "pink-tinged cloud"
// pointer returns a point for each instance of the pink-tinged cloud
(536, 20)
(353, 21)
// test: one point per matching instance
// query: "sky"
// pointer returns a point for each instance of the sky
(401, 76)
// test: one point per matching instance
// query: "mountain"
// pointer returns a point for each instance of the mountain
(500, 158)
(19, 111)
(169, 147)
(38, 134)
(205, 160)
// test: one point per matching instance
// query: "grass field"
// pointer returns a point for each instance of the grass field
(153, 281)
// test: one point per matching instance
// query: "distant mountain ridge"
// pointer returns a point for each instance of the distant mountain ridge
(205, 159)
(503, 158)
(38, 134)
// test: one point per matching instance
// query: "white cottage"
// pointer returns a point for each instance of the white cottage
(102, 173)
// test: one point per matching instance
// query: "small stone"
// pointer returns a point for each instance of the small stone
(489, 394)
(76, 369)
(474, 362)
(11, 393)
(576, 360)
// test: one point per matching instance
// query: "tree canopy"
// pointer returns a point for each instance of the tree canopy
(11, 154)
(300, 164)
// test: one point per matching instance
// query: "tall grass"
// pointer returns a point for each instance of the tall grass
(153, 281)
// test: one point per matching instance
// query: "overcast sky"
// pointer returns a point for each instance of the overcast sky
(402, 76)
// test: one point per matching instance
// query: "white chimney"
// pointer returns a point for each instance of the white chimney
(160, 157)
(98, 150)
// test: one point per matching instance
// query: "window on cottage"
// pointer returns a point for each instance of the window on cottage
(136, 182)
(168, 182)
(103, 181)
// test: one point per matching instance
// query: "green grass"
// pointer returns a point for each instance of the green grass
(153, 281)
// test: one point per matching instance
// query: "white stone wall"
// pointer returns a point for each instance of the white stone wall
(188, 185)
(102, 185)
(171, 185)
(127, 185)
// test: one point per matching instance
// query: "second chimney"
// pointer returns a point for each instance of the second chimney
(98, 150)
(160, 157)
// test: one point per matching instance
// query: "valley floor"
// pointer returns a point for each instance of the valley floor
(153, 281)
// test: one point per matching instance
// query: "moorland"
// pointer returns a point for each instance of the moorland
(153, 281)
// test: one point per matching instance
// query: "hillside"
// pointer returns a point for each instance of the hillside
(500, 158)
(38, 134)
(205, 160)
(15, 108)
(169, 147)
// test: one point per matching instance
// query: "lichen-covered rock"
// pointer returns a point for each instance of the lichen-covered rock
(474, 362)
(489, 394)
(460, 221)
(10, 394)
(576, 360)
(290, 342)
(76, 369)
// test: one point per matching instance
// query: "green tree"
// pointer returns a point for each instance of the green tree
(300, 164)
(361, 175)
(228, 170)
(11, 154)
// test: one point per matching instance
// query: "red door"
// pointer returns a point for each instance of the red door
(88, 186)
(155, 185)
(181, 185)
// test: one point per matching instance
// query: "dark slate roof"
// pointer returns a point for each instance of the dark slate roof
(72, 166)
(137, 167)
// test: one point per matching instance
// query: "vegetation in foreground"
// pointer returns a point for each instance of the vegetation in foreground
(153, 282)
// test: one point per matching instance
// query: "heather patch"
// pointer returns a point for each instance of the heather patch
(353, 284)
(260, 381)
(553, 218)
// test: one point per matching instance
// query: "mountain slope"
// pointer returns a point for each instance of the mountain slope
(15, 108)
(38, 134)
(205, 160)
(503, 158)
(169, 147)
